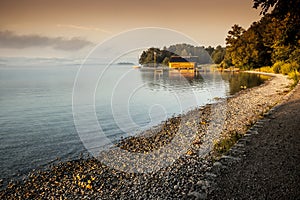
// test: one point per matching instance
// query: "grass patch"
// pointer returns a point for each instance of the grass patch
(224, 144)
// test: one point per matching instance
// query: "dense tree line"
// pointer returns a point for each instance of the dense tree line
(218, 54)
(272, 41)
(162, 56)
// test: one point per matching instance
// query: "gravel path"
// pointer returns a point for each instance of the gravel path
(270, 164)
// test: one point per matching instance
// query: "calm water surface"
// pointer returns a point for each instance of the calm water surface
(36, 116)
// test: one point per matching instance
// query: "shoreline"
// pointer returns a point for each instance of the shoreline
(265, 161)
(89, 177)
(128, 143)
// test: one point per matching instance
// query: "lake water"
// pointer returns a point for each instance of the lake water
(36, 116)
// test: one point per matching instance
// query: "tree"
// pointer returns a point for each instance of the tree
(209, 50)
(163, 56)
(264, 4)
(166, 61)
(233, 44)
(274, 38)
(147, 57)
(281, 7)
(218, 54)
(234, 35)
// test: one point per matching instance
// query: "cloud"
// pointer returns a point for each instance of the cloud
(9, 39)
(87, 28)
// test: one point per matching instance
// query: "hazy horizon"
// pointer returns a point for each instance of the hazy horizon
(67, 28)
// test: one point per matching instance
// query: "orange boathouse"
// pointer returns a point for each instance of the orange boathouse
(183, 62)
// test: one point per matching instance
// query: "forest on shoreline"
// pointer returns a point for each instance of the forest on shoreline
(271, 44)
(205, 55)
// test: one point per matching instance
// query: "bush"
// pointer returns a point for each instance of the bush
(266, 69)
(294, 56)
(277, 66)
(285, 69)
(289, 67)
(294, 76)
(226, 63)
(295, 66)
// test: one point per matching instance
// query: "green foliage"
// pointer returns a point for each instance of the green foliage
(147, 57)
(218, 54)
(227, 62)
(281, 53)
(277, 66)
(233, 42)
(163, 56)
(286, 68)
(223, 145)
(281, 7)
(294, 76)
(272, 41)
(266, 69)
(274, 38)
(295, 56)
(264, 4)
(166, 61)
(210, 50)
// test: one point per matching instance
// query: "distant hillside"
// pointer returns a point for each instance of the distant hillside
(162, 56)
(125, 63)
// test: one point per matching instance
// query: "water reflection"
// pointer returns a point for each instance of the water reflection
(187, 79)
(239, 80)
(175, 80)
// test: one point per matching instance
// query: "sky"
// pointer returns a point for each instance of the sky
(71, 28)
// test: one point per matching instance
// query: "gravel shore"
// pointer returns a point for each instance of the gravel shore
(269, 158)
(188, 175)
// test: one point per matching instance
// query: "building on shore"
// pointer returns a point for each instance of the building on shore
(183, 62)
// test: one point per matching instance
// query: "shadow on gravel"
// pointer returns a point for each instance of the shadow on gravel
(270, 166)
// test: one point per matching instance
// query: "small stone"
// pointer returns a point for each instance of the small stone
(176, 187)
(197, 195)
(203, 187)
(217, 164)
(210, 175)
(200, 182)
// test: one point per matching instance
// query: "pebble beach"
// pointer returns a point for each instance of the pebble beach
(171, 161)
